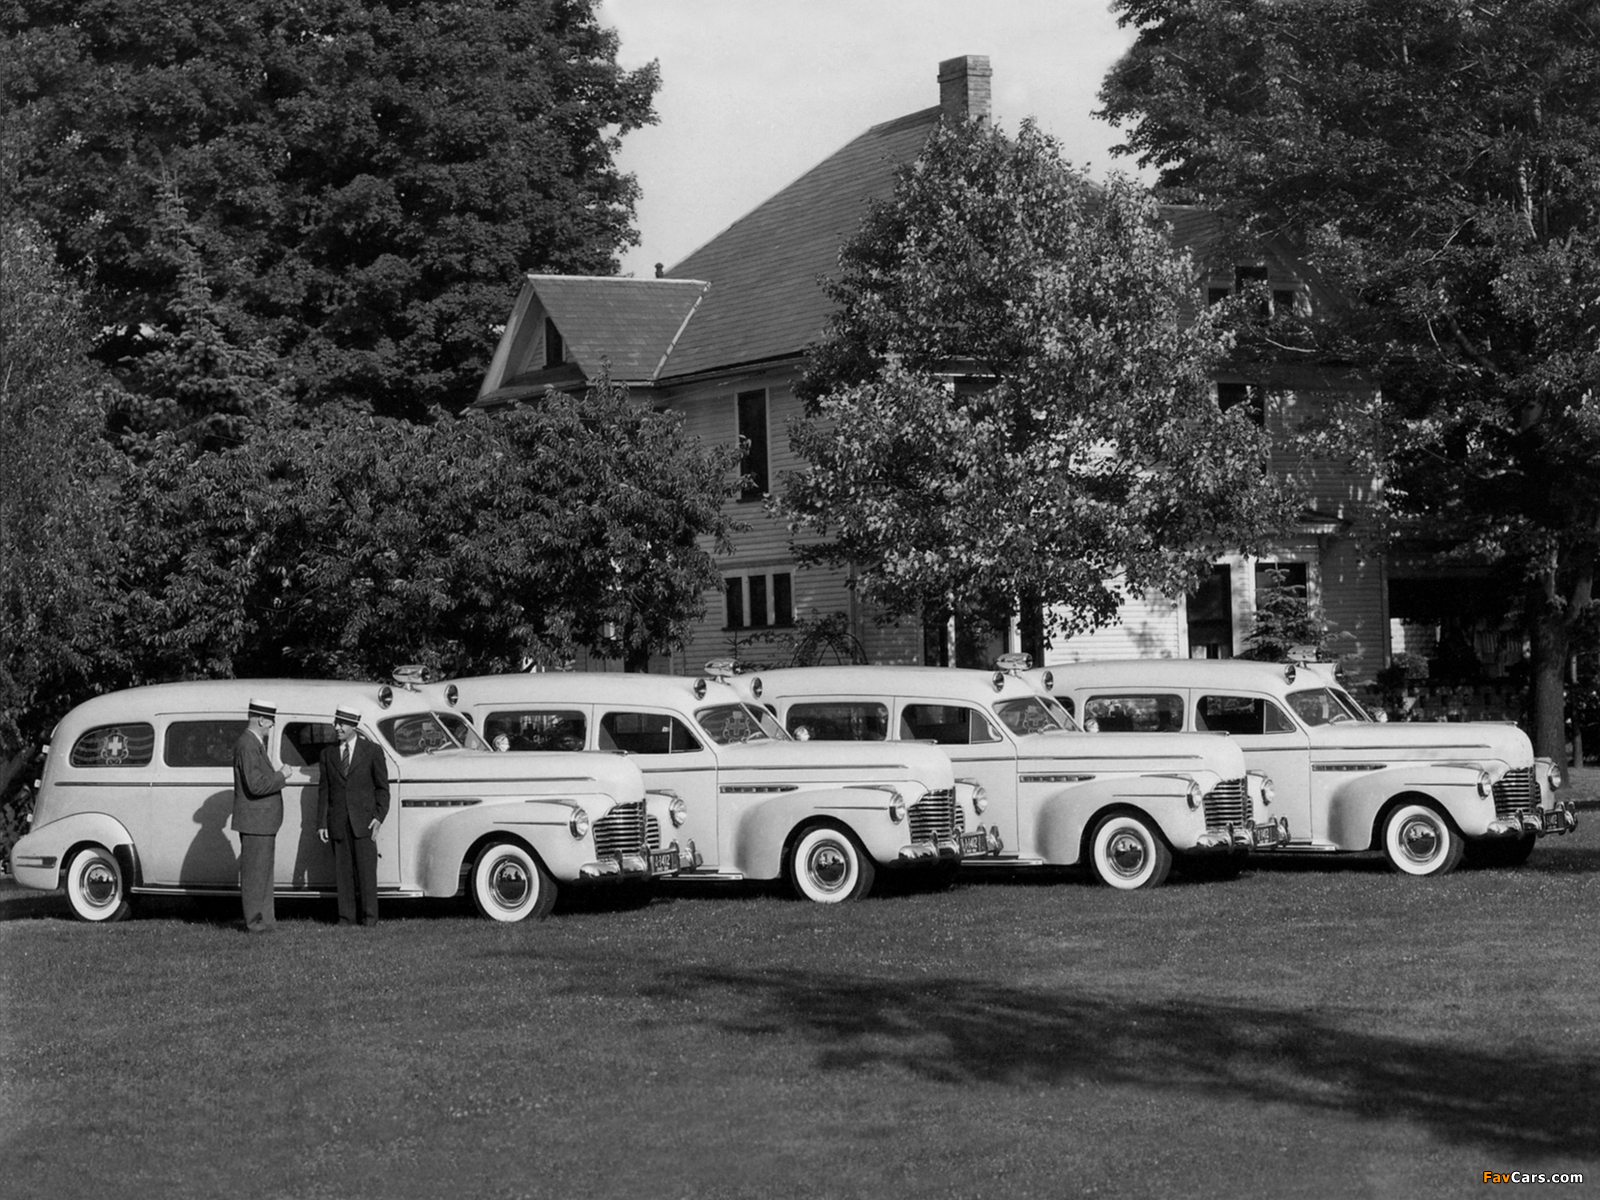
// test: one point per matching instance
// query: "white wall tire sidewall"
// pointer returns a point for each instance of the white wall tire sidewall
(816, 854)
(1107, 836)
(89, 872)
(508, 861)
(1412, 818)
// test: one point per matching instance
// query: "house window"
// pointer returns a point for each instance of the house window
(554, 352)
(753, 444)
(1287, 576)
(1211, 616)
(1231, 395)
(759, 601)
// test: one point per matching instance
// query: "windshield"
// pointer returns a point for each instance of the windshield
(1320, 706)
(1032, 714)
(416, 733)
(726, 724)
(1351, 703)
(1061, 713)
(461, 729)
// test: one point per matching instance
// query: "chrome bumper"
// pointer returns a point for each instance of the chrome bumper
(1560, 819)
(1234, 838)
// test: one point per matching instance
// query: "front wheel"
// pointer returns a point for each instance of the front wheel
(1126, 853)
(1417, 840)
(96, 889)
(508, 884)
(829, 867)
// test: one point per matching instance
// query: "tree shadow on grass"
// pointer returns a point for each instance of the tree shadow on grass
(1535, 1102)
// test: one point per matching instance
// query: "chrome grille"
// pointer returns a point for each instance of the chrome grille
(935, 816)
(1228, 804)
(621, 831)
(653, 832)
(1515, 793)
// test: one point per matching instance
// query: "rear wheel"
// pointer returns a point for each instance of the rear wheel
(827, 866)
(1126, 853)
(1417, 840)
(96, 889)
(508, 884)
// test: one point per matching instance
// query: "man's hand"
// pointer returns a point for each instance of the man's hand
(323, 834)
(284, 772)
(373, 828)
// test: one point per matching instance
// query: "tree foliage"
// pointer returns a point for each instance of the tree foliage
(339, 544)
(1440, 162)
(57, 482)
(366, 178)
(1012, 406)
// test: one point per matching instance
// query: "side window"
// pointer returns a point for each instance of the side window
(201, 743)
(1152, 713)
(551, 729)
(753, 458)
(304, 741)
(645, 733)
(946, 725)
(130, 745)
(844, 721)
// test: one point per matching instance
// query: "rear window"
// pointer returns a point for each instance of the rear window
(131, 745)
(1155, 712)
(304, 742)
(1244, 715)
(207, 743)
(537, 729)
(946, 725)
(852, 721)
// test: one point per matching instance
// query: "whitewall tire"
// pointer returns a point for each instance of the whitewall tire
(1127, 853)
(96, 889)
(508, 884)
(1418, 840)
(827, 866)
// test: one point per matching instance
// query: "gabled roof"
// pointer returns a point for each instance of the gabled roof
(631, 322)
(766, 300)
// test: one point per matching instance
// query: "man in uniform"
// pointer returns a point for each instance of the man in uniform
(352, 802)
(257, 815)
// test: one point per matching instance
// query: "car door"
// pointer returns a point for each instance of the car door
(1272, 742)
(193, 805)
(977, 748)
(672, 758)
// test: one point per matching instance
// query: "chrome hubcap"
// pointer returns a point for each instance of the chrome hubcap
(1420, 840)
(99, 884)
(1126, 854)
(827, 867)
(509, 883)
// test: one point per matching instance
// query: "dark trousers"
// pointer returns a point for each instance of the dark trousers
(256, 869)
(355, 873)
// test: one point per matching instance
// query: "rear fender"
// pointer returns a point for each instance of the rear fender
(39, 856)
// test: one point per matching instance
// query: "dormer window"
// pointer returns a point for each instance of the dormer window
(554, 352)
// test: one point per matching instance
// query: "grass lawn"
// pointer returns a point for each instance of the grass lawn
(1315, 1028)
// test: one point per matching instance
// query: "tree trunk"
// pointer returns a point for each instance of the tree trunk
(1550, 641)
(1030, 625)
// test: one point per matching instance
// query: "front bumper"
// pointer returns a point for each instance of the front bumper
(953, 848)
(1560, 818)
(641, 866)
(1234, 839)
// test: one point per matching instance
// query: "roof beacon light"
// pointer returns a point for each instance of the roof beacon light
(1014, 664)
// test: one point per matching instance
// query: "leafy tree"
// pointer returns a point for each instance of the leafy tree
(339, 544)
(1440, 160)
(1011, 408)
(57, 479)
(366, 178)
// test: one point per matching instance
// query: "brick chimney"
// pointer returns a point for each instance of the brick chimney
(964, 89)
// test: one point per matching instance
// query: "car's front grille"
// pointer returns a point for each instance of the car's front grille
(1228, 804)
(1515, 793)
(653, 832)
(621, 831)
(935, 816)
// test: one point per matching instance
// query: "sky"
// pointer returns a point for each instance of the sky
(754, 93)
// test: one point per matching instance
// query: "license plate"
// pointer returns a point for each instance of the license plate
(1555, 822)
(974, 843)
(1266, 835)
(663, 862)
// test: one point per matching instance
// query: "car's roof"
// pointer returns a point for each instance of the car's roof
(1186, 673)
(953, 682)
(229, 698)
(586, 687)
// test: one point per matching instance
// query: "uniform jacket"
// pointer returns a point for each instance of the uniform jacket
(349, 801)
(257, 788)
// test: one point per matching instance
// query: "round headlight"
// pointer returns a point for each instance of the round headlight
(897, 808)
(1194, 795)
(1269, 792)
(1557, 779)
(578, 822)
(980, 799)
(1485, 785)
(678, 811)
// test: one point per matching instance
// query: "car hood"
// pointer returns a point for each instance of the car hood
(1407, 740)
(529, 773)
(1144, 752)
(837, 763)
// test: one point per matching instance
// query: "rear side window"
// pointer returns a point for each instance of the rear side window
(1149, 713)
(130, 745)
(201, 743)
(538, 729)
(1240, 715)
(946, 725)
(854, 721)
(645, 733)
(304, 742)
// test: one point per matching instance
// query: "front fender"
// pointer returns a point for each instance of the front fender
(1356, 800)
(39, 856)
(445, 847)
(1062, 818)
(762, 829)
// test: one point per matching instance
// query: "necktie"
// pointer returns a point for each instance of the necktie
(347, 756)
